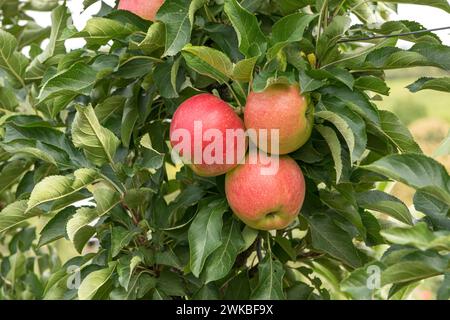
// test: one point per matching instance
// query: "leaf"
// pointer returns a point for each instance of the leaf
(337, 110)
(270, 280)
(418, 236)
(444, 148)
(59, 18)
(438, 84)
(417, 171)
(243, 70)
(178, 18)
(307, 83)
(205, 234)
(56, 228)
(209, 62)
(441, 4)
(335, 146)
(385, 203)
(120, 237)
(11, 173)
(99, 31)
(65, 86)
(328, 237)
(398, 133)
(95, 281)
(11, 60)
(252, 42)
(99, 144)
(372, 83)
(109, 107)
(334, 73)
(8, 99)
(356, 283)
(219, 264)
(57, 187)
(78, 229)
(435, 210)
(413, 267)
(444, 290)
(154, 39)
(288, 29)
(15, 213)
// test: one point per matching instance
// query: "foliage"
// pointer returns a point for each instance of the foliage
(91, 125)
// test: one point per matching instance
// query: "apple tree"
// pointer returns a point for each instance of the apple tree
(85, 155)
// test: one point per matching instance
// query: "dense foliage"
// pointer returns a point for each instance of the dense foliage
(84, 153)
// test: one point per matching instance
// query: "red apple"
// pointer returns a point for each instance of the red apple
(146, 9)
(266, 201)
(279, 107)
(208, 135)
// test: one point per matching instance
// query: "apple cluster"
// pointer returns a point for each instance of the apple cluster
(261, 200)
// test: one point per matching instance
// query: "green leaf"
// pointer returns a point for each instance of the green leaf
(57, 187)
(435, 210)
(59, 18)
(335, 146)
(307, 83)
(99, 31)
(99, 144)
(109, 107)
(252, 42)
(11, 60)
(8, 99)
(178, 18)
(65, 86)
(95, 282)
(15, 213)
(219, 264)
(270, 280)
(417, 171)
(418, 236)
(356, 283)
(444, 290)
(209, 62)
(243, 70)
(438, 84)
(11, 173)
(372, 83)
(441, 4)
(413, 267)
(385, 203)
(154, 39)
(328, 237)
(78, 229)
(288, 29)
(444, 148)
(205, 234)
(120, 237)
(398, 133)
(56, 228)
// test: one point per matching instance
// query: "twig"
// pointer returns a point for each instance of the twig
(392, 35)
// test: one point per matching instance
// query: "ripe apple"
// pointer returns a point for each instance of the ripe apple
(280, 107)
(146, 9)
(208, 135)
(266, 202)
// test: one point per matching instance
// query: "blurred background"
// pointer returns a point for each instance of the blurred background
(426, 113)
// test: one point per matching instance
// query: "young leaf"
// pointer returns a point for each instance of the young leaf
(209, 62)
(99, 144)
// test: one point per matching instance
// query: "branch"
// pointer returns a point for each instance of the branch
(391, 35)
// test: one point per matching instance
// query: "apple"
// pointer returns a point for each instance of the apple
(281, 107)
(208, 135)
(266, 201)
(146, 9)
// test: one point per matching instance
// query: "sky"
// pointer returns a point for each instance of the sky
(429, 17)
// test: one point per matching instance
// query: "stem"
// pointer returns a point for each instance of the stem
(338, 8)
(258, 249)
(234, 95)
(319, 26)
